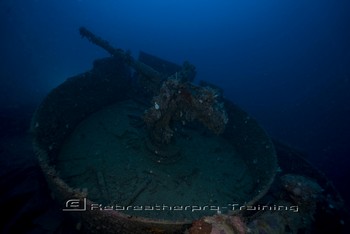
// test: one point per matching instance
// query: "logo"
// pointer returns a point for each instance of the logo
(81, 205)
(75, 205)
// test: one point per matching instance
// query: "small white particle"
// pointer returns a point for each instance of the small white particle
(156, 106)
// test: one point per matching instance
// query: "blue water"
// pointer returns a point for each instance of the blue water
(285, 62)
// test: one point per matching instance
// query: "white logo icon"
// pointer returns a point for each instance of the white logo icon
(75, 205)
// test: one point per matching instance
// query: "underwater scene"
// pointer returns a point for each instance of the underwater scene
(175, 116)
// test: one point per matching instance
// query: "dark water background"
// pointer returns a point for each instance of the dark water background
(287, 63)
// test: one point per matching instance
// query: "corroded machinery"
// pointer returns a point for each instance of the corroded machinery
(167, 112)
